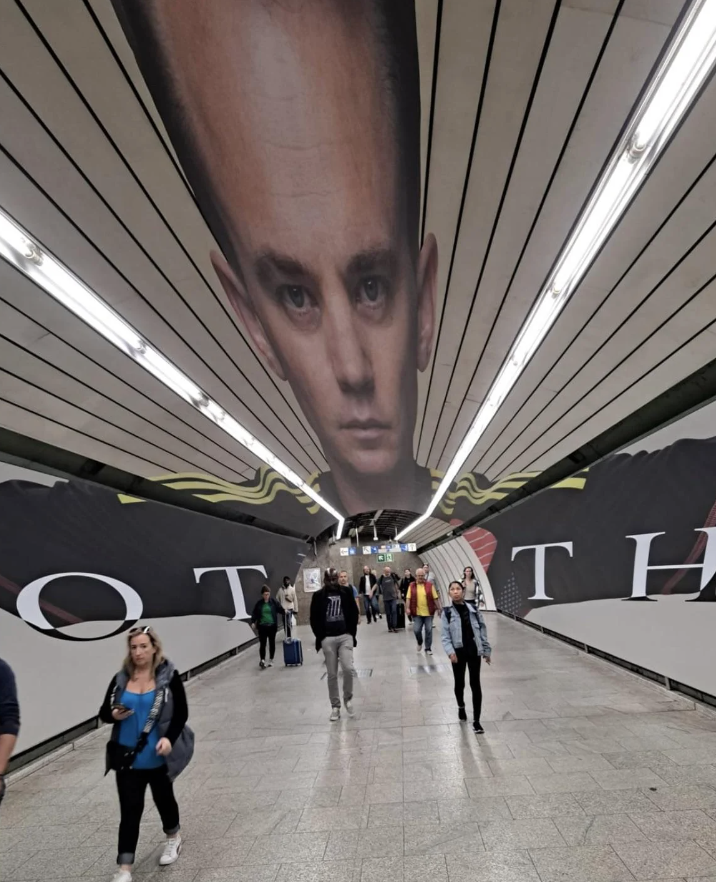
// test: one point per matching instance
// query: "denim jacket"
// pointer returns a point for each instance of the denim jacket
(452, 630)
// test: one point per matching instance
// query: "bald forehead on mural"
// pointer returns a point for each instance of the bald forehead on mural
(298, 125)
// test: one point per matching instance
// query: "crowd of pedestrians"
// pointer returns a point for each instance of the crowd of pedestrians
(145, 703)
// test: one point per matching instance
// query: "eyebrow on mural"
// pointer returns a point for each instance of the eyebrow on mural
(270, 262)
(379, 257)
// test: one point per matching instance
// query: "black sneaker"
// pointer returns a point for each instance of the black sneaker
(262, 664)
(478, 728)
(462, 714)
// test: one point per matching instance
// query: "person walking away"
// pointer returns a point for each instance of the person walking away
(471, 584)
(150, 743)
(334, 622)
(464, 639)
(423, 602)
(264, 621)
(404, 585)
(9, 720)
(344, 581)
(288, 598)
(365, 592)
(375, 597)
(390, 589)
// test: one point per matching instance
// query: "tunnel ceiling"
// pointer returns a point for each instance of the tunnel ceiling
(521, 106)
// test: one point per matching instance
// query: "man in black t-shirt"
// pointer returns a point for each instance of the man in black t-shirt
(389, 586)
(334, 622)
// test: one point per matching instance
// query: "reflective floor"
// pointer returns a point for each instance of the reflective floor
(585, 774)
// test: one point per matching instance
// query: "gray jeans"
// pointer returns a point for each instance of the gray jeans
(335, 649)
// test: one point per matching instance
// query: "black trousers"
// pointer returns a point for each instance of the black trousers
(267, 632)
(471, 661)
(132, 785)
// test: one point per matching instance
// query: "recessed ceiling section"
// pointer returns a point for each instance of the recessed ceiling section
(523, 103)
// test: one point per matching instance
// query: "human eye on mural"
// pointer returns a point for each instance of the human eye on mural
(298, 127)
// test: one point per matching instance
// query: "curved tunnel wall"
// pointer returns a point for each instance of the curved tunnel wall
(621, 559)
(79, 565)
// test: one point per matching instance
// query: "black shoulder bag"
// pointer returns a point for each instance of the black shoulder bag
(121, 758)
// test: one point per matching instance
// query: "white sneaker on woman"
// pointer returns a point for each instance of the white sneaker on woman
(122, 876)
(335, 714)
(171, 851)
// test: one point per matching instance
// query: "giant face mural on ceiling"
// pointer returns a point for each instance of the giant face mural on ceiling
(297, 125)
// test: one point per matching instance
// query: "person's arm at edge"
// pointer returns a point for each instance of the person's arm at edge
(181, 709)
(445, 635)
(314, 617)
(9, 718)
(105, 712)
(352, 619)
(483, 638)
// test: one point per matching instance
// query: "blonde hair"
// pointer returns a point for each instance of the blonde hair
(153, 639)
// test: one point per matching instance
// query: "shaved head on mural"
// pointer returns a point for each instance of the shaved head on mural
(298, 126)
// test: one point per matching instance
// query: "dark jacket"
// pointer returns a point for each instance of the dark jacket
(9, 707)
(318, 614)
(372, 580)
(172, 718)
(276, 609)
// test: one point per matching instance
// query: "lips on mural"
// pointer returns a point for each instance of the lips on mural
(127, 560)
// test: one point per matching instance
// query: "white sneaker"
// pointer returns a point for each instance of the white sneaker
(171, 852)
(122, 876)
(262, 664)
(420, 648)
(349, 709)
(335, 714)
(428, 652)
(270, 664)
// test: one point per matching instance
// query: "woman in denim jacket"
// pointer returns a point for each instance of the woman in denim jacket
(465, 647)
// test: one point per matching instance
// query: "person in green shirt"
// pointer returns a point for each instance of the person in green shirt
(264, 621)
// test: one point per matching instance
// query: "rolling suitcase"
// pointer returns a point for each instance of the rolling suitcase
(292, 652)
(401, 616)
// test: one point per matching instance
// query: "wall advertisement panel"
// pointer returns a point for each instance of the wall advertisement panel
(79, 565)
(622, 556)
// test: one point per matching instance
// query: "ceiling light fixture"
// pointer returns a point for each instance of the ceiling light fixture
(20, 250)
(681, 74)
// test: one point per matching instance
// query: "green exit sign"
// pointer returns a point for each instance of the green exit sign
(385, 558)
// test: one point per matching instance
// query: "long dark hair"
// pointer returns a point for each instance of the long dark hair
(472, 572)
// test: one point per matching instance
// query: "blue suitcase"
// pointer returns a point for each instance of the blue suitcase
(292, 652)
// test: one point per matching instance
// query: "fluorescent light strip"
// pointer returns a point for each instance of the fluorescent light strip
(19, 249)
(682, 73)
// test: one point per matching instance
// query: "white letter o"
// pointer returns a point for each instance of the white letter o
(28, 600)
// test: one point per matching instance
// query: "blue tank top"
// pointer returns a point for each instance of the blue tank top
(131, 728)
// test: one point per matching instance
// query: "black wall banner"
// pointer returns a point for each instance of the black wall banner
(631, 527)
(75, 552)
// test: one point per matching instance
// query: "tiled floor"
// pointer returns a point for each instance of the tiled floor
(586, 774)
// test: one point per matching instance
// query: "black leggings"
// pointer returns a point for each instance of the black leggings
(471, 661)
(267, 632)
(132, 785)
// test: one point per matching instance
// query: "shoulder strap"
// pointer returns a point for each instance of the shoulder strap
(448, 613)
(151, 720)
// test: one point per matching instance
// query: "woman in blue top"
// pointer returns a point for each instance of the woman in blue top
(464, 639)
(147, 687)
